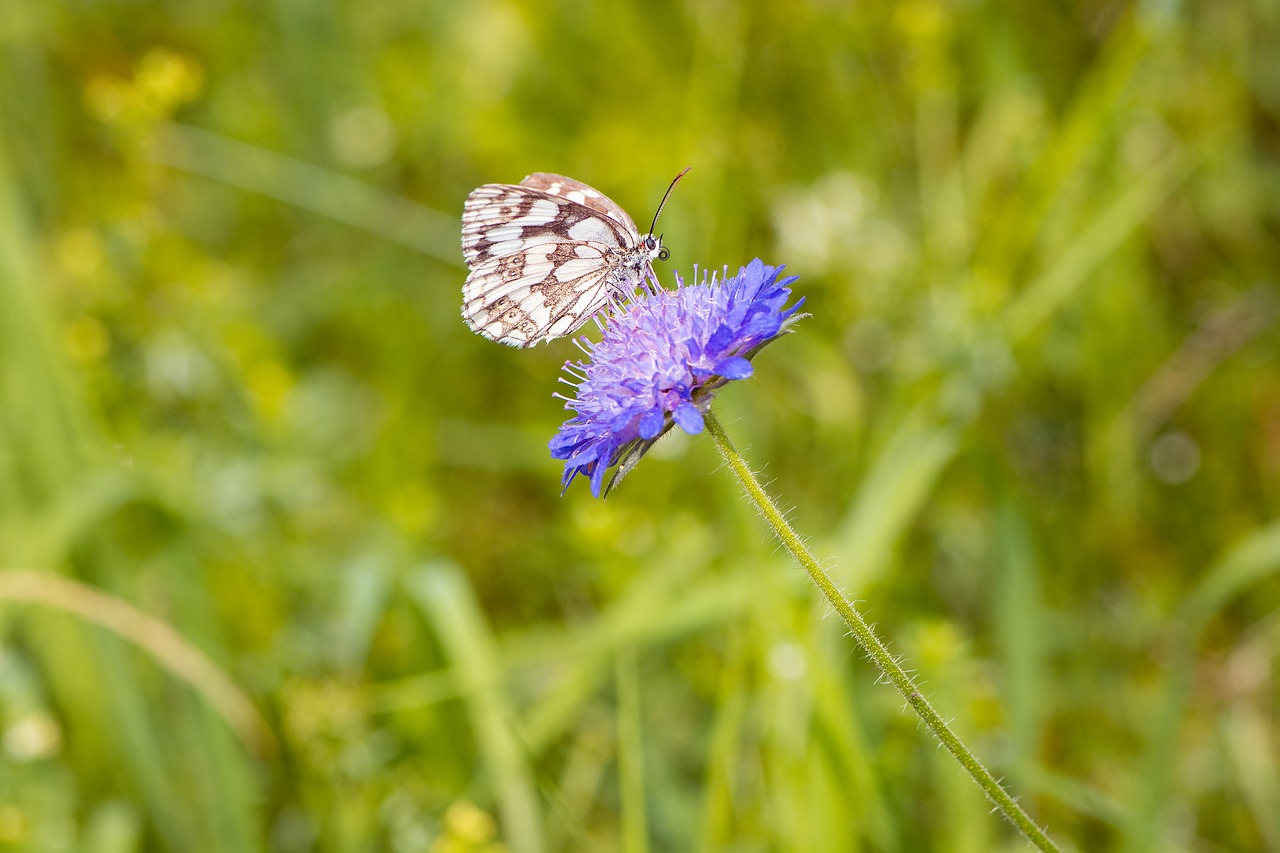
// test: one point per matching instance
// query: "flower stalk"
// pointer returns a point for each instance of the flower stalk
(871, 644)
(658, 365)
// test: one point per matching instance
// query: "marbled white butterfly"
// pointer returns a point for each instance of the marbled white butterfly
(546, 254)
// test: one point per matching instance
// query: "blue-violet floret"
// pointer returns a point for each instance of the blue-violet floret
(659, 362)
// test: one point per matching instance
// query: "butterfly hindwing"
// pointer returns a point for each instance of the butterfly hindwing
(545, 292)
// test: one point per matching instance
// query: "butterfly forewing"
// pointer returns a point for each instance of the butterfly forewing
(544, 256)
(576, 191)
(501, 219)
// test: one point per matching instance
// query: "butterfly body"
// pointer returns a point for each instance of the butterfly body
(546, 255)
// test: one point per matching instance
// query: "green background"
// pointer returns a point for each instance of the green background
(286, 562)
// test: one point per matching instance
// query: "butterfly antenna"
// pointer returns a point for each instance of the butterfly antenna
(667, 195)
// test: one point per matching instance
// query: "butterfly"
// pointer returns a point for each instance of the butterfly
(547, 254)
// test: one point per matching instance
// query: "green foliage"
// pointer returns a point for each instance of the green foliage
(1033, 426)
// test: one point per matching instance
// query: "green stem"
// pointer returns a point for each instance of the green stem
(872, 645)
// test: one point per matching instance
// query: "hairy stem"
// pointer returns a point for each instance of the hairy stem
(872, 645)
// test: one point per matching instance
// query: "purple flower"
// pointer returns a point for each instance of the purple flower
(658, 364)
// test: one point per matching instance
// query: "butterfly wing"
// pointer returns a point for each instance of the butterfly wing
(547, 290)
(577, 191)
(543, 257)
(502, 219)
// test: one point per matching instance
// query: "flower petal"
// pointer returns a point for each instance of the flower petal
(651, 424)
(734, 368)
(688, 418)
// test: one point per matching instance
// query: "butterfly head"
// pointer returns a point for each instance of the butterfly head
(651, 247)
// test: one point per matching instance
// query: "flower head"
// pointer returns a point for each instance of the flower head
(658, 364)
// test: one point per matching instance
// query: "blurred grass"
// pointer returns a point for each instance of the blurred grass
(1033, 422)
